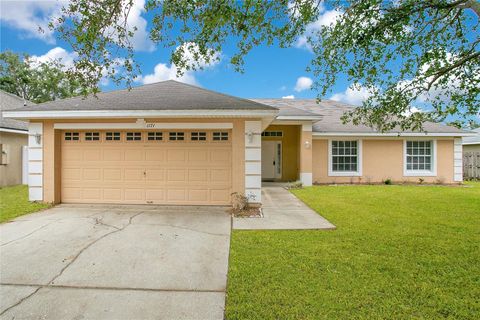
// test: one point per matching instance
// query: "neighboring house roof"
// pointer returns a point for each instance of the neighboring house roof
(331, 112)
(474, 139)
(10, 102)
(165, 95)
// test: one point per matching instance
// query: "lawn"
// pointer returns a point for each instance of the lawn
(14, 202)
(399, 252)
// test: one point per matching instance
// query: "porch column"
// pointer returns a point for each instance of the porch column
(306, 155)
(253, 161)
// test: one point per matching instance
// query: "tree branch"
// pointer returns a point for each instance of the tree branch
(446, 70)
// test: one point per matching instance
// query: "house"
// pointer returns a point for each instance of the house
(13, 143)
(472, 144)
(173, 143)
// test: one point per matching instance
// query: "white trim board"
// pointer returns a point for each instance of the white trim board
(389, 134)
(143, 125)
(72, 114)
(14, 131)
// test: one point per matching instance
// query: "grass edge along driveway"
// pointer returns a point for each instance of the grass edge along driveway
(400, 252)
(14, 203)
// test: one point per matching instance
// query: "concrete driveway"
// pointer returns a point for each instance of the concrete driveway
(115, 262)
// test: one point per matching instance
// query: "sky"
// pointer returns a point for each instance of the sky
(269, 72)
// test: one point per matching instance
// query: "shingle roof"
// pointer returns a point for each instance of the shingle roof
(473, 139)
(165, 95)
(10, 101)
(331, 112)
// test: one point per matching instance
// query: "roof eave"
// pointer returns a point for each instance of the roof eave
(393, 134)
(118, 114)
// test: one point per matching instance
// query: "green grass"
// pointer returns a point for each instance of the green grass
(399, 252)
(14, 202)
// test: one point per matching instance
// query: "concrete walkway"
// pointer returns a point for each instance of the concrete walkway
(283, 211)
(115, 262)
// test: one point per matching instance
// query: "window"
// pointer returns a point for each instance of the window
(155, 136)
(92, 136)
(419, 157)
(176, 136)
(220, 136)
(199, 136)
(345, 158)
(272, 134)
(72, 136)
(134, 136)
(112, 136)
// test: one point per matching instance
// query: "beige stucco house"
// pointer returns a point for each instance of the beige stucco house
(13, 140)
(173, 143)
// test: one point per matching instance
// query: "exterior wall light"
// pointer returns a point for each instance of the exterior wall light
(38, 138)
(307, 144)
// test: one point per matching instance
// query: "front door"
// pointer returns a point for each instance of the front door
(271, 160)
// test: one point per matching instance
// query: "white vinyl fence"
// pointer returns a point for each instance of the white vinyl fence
(471, 165)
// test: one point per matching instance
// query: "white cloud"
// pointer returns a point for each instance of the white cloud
(325, 18)
(140, 40)
(291, 96)
(57, 53)
(352, 95)
(303, 83)
(163, 72)
(29, 16)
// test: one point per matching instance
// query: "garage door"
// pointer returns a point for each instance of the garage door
(138, 167)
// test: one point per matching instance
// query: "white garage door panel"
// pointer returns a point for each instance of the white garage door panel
(138, 172)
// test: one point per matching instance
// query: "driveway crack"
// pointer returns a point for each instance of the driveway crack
(51, 282)
(27, 235)
(194, 230)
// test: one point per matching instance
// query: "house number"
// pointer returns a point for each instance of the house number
(150, 125)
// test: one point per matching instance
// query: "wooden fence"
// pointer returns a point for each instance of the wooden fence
(471, 165)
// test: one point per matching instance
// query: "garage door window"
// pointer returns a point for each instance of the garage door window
(134, 136)
(220, 136)
(72, 136)
(155, 136)
(112, 136)
(199, 136)
(92, 136)
(176, 136)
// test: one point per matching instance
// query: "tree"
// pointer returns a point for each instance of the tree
(402, 52)
(37, 81)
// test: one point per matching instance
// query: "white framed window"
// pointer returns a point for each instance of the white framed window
(134, 136)
(419, 158)
(112, 136)
(344, 158)
(272, 134)
(220, 136)
(92, 136)
(176, 136)
(155, 136)
(72, 136)
(198, 136)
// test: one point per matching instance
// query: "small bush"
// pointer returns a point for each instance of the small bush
(295, 185)
(387, 181)
(421, 180)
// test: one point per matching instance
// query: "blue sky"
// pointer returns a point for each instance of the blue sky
(270, 72)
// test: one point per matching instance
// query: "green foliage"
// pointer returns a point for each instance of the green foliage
(37, 81)
(387, 181)
(400, 51)
(14, 202)
(399, 252)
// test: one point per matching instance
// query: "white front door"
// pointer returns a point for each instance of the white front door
(271, 160)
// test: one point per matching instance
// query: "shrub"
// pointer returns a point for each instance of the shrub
(387, 181)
